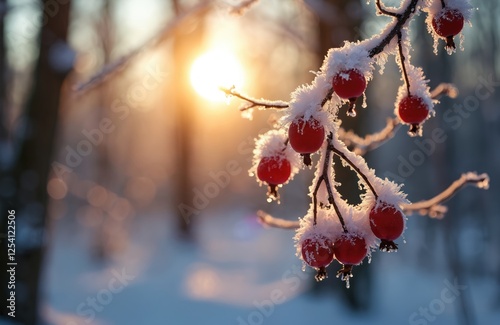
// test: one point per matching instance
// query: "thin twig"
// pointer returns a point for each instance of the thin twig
(355, 168)
(385, 11)
(428, 207)
(402, 58)
(361, 145)
(400, 22)
(324, 178)
(444, 89)
(276, 104)
(268, 220)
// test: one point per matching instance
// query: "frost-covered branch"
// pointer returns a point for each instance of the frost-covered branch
(324, 178)
(253, 102)
(110, 69)
(361, 145)
(401, 20)
(444, 89)
(355, 168)
(434, 208)
(384, 11)
(268, 220)
(349, 233)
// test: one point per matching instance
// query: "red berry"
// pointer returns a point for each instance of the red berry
(386, 222)
(349, 84)
(350, 249)
(317, 252)
(448, 22)
(274, 170)
(412, 110)
(306, 136)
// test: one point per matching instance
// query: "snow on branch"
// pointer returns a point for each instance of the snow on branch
(433, 207)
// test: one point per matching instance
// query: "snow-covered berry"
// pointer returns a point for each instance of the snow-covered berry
(274, 170)
(317, 252)
(350, 249)
(387, 224)
(349, 84)
(448, 22)
(413, 110)
(306, 136)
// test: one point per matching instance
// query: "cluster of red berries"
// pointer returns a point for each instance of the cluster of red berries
(307, 133)
(349, 249)
(307, 136)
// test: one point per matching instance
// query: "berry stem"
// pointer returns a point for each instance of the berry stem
(443, 4)
(324, 178)
(385, 11)
(354, 167)
(403, 59)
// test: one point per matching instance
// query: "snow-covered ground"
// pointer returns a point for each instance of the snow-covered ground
(237, 273)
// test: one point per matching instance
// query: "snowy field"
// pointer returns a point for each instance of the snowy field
(237, 273)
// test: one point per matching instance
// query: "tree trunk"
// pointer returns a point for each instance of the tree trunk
(33, 164)
(186, 45)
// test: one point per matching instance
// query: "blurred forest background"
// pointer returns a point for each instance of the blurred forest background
(130, 189)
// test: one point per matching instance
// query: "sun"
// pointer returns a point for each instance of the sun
(214, 69)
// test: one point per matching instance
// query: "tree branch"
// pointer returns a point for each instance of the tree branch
(402, 58)
(268, 220)
(252, 102)
(355, 168)
(324, 178)
(361, 145)
(400, 21)
(444, 89)
(433, 207)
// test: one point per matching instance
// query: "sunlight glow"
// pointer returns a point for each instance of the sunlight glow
(214, 69)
